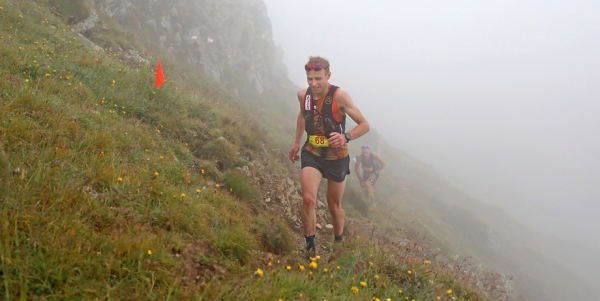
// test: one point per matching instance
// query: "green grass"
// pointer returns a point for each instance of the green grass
(107, 187)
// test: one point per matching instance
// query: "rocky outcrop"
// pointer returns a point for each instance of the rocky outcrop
(224, 38)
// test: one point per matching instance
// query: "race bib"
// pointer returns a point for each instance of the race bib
(318, 141)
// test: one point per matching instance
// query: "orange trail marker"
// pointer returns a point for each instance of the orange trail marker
(160, 77)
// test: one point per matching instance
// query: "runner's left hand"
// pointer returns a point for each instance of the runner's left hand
(336, 139)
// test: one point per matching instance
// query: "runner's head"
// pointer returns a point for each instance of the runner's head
(317, 74)
(366, 150)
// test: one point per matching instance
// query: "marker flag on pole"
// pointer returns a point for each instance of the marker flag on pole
(160, 77)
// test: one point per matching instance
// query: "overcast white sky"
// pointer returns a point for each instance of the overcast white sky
(501, 97)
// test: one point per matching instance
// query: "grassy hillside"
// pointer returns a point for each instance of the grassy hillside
(112, 189)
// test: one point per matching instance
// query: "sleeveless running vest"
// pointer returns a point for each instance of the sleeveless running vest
(368, 166)
(319, 120)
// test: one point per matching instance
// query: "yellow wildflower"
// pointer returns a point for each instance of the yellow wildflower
(259, 272)
(325, 270)
(449, 291)
(363, 283)
(313, 265)
(120, 179)
(216, 185)
(409, 272)
(317, 258)
(370, 264)
(288, 268)
(197, 190)
(427, 262)
(183, 195)
(301, 267)
(338, 267)
(269, 264)
(26, 80)
(400, 291)
(156, 173)
(202, 171)
(355, 290)
(376, 277)
(149, 252)
(47, 74)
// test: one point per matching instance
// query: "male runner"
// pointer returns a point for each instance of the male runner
(372, 165)
(323, 111)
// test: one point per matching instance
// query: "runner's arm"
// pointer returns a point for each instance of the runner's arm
(356, 168)
(346, 106)
(379, 160)
(300, 121)
(293, 154)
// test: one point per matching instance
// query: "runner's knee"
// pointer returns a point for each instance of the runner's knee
(309, 200)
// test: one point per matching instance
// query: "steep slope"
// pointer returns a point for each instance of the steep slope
(85, 131)
(113, 189)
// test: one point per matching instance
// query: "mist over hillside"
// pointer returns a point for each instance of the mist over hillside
(498, 102)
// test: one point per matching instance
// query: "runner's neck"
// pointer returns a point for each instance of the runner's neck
(320, 97)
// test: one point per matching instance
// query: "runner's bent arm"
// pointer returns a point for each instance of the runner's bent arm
(347, 106)
(379, 160)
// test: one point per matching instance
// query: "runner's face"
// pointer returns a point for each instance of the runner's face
(366, 151)
(318, 80)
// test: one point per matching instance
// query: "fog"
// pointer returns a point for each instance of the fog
(501, 97)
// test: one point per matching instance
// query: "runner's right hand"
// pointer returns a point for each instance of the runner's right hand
(293, 155)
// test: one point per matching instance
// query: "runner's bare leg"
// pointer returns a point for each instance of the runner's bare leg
(310, 178)
(335, 192)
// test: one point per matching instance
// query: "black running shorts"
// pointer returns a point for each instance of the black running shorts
(367, 174)
(335, 170)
